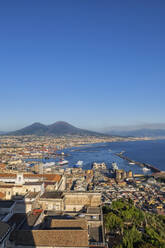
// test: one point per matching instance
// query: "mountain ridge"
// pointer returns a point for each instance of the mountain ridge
(2, 132)
(144, 132)
(59, 128)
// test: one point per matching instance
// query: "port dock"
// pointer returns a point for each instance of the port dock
(149, 166)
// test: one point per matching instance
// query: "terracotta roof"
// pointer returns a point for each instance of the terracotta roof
(2, 195)
(52, 177)
(6, 186)
(48, 183)
(7, 175)
(48, 177)
(69, 223)
(51, 238)
(2, 166)
(30, 175)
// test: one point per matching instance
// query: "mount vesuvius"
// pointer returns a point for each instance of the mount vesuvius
(59, 128)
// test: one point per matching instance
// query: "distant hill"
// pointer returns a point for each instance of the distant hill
(2, 132)
(59, 128)
(139, 132)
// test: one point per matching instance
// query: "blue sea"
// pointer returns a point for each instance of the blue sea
(152, 152)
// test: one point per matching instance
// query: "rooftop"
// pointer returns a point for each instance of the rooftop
(69, 223)
(4, 228)
(54, 194)
(7, 175)
(93, 210)
(6, 204)
(33, 183)
(16, 219)
(48, 177)
(31, 195)
(60, 238)
(95, 234)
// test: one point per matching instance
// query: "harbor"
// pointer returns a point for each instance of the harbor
(98, 153)
(145, 166)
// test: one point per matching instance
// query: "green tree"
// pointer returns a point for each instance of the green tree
(118, 205)
(131, 237)
(118, 246)
(154, 237)
(145, 245)
(113, 222)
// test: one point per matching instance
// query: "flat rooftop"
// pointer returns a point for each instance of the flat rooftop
(93, 210)
(4, 228)
(33, 183)
(95, 234)
(6, 204)
(52, 195)
(69, 224)
(16, 220)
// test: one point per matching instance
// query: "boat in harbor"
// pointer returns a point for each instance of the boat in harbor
(131, 163)
(145, 169)
(49, 164)
(79, 164)
(114, 166)
(62, 162)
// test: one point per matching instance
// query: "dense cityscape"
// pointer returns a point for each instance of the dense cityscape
(49, 204)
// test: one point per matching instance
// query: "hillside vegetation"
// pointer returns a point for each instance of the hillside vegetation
(127, 226)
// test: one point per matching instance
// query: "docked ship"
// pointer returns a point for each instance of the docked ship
(62, 162)
(79, 164)
(145, 169)
(49, 164)
(114, 166)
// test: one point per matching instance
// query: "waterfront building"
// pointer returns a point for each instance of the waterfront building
(129, 174)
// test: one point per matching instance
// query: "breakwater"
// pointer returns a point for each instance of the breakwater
(149, 166)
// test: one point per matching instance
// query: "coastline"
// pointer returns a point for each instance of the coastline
(143, 163)
(149, 166)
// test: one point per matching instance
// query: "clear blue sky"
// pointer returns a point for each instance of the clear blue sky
(93, 63)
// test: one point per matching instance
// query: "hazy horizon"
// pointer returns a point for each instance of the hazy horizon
(102, 128)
